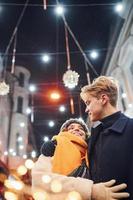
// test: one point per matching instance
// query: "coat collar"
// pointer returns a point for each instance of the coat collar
(117, 127)
(120, 124)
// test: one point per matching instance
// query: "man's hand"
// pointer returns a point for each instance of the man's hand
(107, 191)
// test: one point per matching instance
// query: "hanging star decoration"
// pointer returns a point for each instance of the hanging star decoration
(70, 78)
(4, 88)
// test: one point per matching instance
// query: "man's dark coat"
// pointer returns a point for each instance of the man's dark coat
(111, 152)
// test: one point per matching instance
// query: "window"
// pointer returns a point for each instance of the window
(21, 79)
(20, 105)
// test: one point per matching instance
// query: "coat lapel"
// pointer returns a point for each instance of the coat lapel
(94, 137)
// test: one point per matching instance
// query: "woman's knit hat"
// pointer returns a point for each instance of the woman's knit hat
(77, 121)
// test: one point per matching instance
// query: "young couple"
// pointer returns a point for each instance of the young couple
(109, 150)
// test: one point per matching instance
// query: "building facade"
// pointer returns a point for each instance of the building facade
(19, 123)
(4, 120)
(14, 120)
(120, 64)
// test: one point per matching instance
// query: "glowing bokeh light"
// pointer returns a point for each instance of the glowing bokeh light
(59, 9)
(62, 108)
(10, 196)
(56, 186)
(55, 95)
(46, 179)
(46, 58)
(40, 195)
(119, 7)
(94, 54)
(51, 123)
(73, 196)
(21, 170)
(29, 164)
(46, 139)
(32, 88)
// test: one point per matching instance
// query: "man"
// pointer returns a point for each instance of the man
(111, 142)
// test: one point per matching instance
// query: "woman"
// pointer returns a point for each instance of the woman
(69, 148)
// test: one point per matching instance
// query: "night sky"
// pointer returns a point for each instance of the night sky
(42, 31)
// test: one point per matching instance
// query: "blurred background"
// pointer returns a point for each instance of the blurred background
(49, 50)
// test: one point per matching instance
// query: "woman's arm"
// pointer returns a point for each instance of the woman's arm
(43, 167)
(86, 188)
(48, 148)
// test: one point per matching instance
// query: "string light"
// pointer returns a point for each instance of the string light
(62, 108)
(46, 139)
(33, 154)
(59, 9)
(119, 7)
(51, 123)
(94, 54)
(46, 58)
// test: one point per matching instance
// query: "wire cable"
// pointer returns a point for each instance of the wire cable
(77, 43)
(13, 35)
(65, 5)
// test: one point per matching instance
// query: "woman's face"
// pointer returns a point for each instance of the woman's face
(77, 129)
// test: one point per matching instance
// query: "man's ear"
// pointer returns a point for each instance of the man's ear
(104, 99)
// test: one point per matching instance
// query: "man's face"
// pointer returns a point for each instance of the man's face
(77, 129)
(94, 107)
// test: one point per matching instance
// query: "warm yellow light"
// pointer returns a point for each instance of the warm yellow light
(73, 196)
(10, 196)
(29, 164)
(22, 170)
(39, 195)
(55, 95)
(12, 184)
(46, 179)
(18, 185)
(8, 184)
(56, 186)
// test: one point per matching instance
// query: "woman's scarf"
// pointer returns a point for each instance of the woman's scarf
(69, 153)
